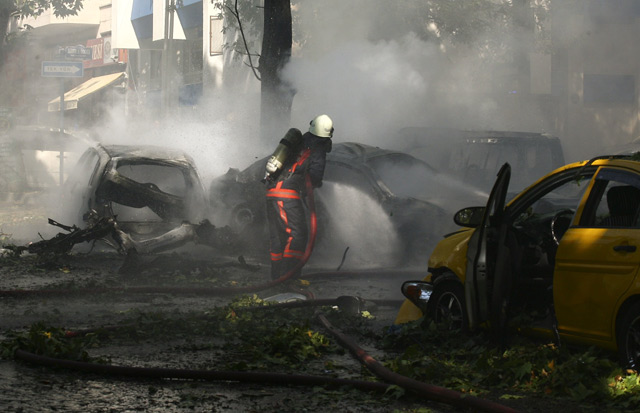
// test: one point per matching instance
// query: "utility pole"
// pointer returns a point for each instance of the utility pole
(168, 81)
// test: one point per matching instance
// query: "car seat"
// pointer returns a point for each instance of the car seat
(623, 202)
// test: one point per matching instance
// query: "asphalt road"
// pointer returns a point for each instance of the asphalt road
(25, 387)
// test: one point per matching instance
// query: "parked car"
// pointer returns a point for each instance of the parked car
(564, 253)
(35, 160)
(475, 156)
(149, 189)
(385, 205)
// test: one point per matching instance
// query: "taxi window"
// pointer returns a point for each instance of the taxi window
(618, 205)
(562, 194)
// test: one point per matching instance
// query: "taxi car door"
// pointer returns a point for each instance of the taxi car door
(485, 286)
(598, 259)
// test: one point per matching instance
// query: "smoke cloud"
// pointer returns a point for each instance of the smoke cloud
(360, 66)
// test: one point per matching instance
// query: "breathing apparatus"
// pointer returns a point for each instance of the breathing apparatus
(289, 144)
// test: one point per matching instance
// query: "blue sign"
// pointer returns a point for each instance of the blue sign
(62, 69)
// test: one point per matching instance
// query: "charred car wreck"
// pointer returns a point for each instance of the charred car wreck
(149, 189)
(135, 198)
(359, 181)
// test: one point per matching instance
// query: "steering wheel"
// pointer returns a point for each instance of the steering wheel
(560, 223)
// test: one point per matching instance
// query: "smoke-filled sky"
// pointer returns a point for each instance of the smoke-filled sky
(373, 84)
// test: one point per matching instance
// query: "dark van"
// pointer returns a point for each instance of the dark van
(476, 156)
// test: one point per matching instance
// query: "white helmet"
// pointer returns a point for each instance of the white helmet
(322, 126)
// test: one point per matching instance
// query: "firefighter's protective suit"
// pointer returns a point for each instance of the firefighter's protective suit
(288, 229)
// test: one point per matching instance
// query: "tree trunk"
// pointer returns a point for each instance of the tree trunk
(276, 95)
(4, 25)
(523, 16)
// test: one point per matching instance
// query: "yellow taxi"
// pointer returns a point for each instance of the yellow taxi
(563, 255)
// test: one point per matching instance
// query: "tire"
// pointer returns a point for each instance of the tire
(447, 307)
(250, 224)
(243, 216)
(628, 337)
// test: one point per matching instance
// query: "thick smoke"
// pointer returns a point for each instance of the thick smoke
(358, 65)
(217, 134)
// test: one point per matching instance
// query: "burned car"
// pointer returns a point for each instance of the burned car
(475, 156)
(560, 260)
(149, 190)
(137, 200)
(386, 206)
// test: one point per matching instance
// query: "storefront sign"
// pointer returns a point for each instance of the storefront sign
(101, 53)
(97, 53)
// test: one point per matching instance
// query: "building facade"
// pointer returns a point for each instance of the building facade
(162, 68)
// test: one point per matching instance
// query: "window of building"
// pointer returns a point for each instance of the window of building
(216, 37)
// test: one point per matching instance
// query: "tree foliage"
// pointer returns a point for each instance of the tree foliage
(483, 26)
(34, 8)
(30, 8)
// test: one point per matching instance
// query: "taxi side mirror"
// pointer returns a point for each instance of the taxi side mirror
(469, 217)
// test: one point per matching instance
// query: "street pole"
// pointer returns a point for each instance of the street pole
(61, 173)
(167, 57)
(67, 66)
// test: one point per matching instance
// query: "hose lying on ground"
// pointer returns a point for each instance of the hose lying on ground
(213, 375)
(428, 391)
(348, 303)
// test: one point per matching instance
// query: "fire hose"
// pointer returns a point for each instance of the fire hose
(419, 389)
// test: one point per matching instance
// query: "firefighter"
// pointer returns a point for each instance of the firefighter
(298, 156)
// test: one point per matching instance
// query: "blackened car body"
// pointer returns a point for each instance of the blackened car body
(386, 206)
(149, 189)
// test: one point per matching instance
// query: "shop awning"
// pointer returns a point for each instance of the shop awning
(80, 92)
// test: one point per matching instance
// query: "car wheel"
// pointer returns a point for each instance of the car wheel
(447, 307)
(249, 223)
(243, 216)
(628, 336)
